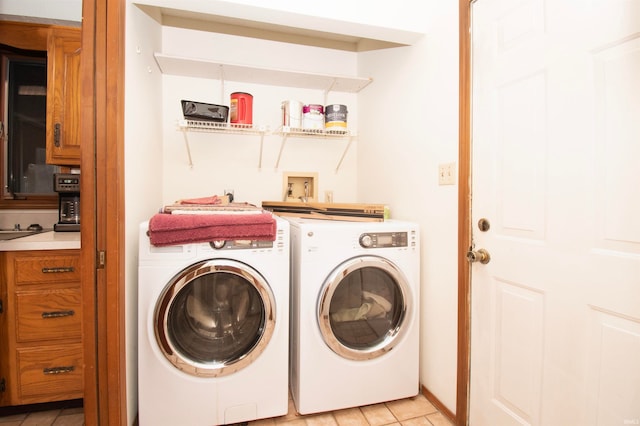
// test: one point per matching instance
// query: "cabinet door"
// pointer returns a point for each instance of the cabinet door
(63, 97)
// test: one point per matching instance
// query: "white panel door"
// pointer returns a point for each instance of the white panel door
(555, 314)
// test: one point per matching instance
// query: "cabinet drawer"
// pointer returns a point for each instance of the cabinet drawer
(46, 269)
(50, 373)
(48, 315)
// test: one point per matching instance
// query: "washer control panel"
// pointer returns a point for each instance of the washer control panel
(383, 239)
(240, 244)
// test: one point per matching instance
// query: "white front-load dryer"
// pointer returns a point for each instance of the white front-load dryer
(213, 331)
(354, 313)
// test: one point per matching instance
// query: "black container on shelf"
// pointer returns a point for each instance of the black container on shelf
(207, 112)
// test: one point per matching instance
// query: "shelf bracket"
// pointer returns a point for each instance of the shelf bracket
(221, 84)
(329, 89)
(261, 146)
(284, 140)
(344, 153)
(186, 143)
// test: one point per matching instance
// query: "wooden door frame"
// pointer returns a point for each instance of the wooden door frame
(102, 187)
(464, 214)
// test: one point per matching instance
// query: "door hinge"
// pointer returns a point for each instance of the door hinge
(1, 307)
(101, 259)
(3, 385)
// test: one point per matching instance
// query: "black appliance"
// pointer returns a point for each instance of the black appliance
(67, 185)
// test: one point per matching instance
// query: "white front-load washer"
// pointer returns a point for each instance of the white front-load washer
(213, 330)
(354, 313)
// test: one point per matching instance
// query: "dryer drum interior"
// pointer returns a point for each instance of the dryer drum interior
(215, 318)
(363, 307)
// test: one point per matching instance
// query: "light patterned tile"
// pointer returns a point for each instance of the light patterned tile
(263, 422)
(13, 419)
(69, 420)
(439, 419)
(322, 419)
(378, 414)
(72, 410)
(350, 417)
(41, 418)
(294, 422)
(416, 411)
(416, 421)
(409, 408)
(5, 421)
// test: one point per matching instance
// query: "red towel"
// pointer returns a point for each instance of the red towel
(171, 229)
(213, 200)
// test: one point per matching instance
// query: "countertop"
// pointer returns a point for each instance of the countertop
(48, 240)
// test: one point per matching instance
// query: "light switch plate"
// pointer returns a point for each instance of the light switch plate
(447, 174)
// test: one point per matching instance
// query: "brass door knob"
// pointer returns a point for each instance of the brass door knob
(481, 256)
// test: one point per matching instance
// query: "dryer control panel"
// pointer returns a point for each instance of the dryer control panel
(383, 239)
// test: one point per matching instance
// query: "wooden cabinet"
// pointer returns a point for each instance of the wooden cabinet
(63, 96)
(41, 355)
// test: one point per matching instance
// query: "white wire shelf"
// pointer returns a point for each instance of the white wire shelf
(299, 132)
(285, 132)
(213, 126)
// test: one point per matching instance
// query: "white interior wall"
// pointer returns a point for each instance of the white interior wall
(232, 49)
(143, 167)
(229, 161)
(409, 125)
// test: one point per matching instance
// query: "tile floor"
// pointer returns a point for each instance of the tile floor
(62, 416)
(416, 411)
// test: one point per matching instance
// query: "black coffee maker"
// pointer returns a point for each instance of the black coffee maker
(67, 185)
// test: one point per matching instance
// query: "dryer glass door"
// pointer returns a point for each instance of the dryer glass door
(215, 318)
(363, 308)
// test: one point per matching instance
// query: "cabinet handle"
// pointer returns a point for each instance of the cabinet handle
(59, 370)
(56, 135)
(58, 314)
(58, 270)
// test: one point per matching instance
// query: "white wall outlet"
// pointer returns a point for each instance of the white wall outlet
(447, 174)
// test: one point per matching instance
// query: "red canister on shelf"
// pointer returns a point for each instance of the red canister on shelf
(241, 109)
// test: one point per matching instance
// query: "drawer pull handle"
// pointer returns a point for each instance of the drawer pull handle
(58, 269)
(58, 314)
(59, 370)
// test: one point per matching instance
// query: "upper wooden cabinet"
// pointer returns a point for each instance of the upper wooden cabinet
(63, 96)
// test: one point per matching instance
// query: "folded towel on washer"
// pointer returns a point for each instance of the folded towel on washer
(212, 200)
(172, 229)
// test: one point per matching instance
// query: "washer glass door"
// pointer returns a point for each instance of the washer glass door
(364, 307)
(215, 318)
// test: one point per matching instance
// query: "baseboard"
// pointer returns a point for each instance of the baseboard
(439, 405)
